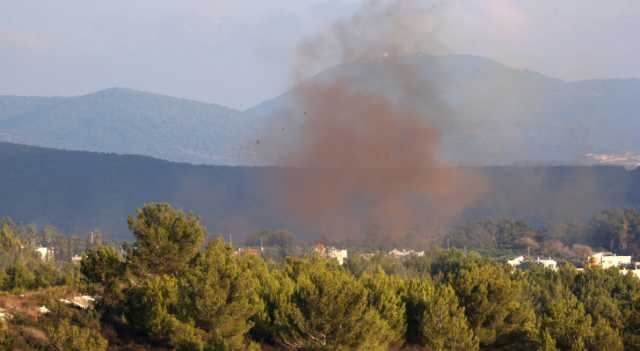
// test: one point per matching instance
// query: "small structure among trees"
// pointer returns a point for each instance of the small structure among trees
(331, 252)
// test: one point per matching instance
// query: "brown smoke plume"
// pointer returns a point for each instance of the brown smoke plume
(367, 158)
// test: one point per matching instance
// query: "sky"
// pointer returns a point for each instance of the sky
(241, 52)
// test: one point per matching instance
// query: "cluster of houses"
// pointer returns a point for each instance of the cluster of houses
(331, 252)
(605, 260)
(405, 253)
(521, 261)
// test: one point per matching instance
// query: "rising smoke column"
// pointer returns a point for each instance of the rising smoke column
(367, 158)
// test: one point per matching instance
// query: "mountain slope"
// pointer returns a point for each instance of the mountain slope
(126, 121)
(490, 113)
(81, 191)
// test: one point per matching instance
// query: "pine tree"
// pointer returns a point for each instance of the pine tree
(547, 342)
(444, 324)
(327, 310)
(220, 296)
(495, 305)
(435, 319)
(568, 324)
(166, 239)
(605, 338)
(384, 296)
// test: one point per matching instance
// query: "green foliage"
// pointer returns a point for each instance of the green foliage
(219, 296)
(495, 305)
(150, 305)
(166, 239)
(386, 298)
(152, 308)
(548, 343)
(170, 292)
(327, 310)
(568, 324)
(494, 234)
(631, 332)
(194, 300)
(617, 230)
(279, 238)
(19, 277)
(67, 337)
(8, 243)
(102, 265)
(605, 338)
(435, 318)
(359, 265)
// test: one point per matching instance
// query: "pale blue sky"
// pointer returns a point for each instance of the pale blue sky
(238, 53)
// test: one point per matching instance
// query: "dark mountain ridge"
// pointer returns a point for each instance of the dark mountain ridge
(81, 191)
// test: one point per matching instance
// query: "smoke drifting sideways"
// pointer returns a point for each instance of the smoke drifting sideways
(365, 162)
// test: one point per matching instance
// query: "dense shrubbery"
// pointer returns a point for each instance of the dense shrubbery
(173, 289)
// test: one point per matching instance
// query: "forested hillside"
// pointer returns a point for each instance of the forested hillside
(80, 191)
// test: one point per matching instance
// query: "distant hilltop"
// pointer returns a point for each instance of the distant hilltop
(493, 115)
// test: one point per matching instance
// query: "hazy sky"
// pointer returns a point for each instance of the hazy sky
(238, 53)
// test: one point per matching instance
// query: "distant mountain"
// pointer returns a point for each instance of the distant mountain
(81, 191)
(493, 114)
(489, 114)
(126, 122)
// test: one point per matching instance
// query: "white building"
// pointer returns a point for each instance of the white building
(607, 260)
(339, 255)
(331, 252)
(405, 253)
(516, 261)
(46, 253)
(548, 263)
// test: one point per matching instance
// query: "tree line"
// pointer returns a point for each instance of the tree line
(176, 287)
(616, 230)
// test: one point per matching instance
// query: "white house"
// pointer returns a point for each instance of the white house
(516, 261)
(46, 253)
(339, 255)
(608, 260)
(548, 263)
(404, 253)
(331, 252)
